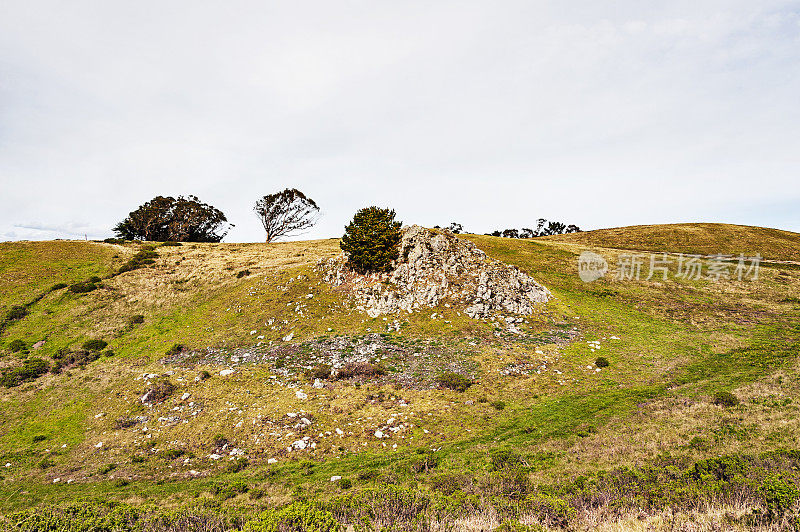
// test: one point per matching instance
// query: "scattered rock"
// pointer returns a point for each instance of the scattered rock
(335, 478)
(226, 372)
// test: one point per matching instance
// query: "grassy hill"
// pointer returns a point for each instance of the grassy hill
(234, 338)
(696, 238)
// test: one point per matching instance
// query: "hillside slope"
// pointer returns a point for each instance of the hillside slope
(692, 238)
(215, 391)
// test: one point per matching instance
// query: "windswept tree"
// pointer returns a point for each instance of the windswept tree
(181, 219)
(285, 213)
(371, 240)
(455, 228)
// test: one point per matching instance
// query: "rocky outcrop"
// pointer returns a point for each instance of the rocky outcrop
(436, 267)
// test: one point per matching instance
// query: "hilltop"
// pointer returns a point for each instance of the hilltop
(693, 238)
(238, 377)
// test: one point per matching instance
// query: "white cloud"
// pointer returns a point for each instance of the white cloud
(492, 114)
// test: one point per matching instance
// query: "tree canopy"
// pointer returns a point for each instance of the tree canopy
(286, 212)
(181, 219)
(371, 240)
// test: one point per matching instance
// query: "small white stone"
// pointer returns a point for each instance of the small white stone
(300, 395)
(226, 372)
(98, 444)
(272, 461)
(288, 337)
(185, 396)
(334, 478)
(378, 434)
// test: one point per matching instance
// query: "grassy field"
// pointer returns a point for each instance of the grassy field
(546, 436)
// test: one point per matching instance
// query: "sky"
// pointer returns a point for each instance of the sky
(491, 114)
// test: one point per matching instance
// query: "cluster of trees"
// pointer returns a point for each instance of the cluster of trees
(543, 228)
(187, 219)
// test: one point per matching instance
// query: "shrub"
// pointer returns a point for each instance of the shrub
(554, 511)
(322, 371)
(371, 240)
(16, 346)
(345, 483)
(366, 369)
(237, 465)
(17, 312)
(601, 362)
(298, 516)
(58, 286)
(454, 381)
(503, 459)
(106, 469)
(30, 370)
(243, 273)
(204, 375)
(175, 349)
(158, 392)
(136, 319)
(94, 279)
(725, 399)
(425, 464)
(171, 454)
(95, 345)
(139, 259)
(39, 437)
(82, 287)
(498, 405)
(65, 358)
(779, 496)
(44, 463)
(170, 244)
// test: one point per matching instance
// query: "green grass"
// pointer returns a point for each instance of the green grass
(678, 343)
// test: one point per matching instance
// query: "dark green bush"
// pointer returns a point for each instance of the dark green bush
(498, 405)
(30, 370)
(725, 399)
(82, 287)
(204, 375)
(106, 469)
(136, 319)
(175, 349)
(39, 437)
(601, 362)
(17, 312)
(16, 346)
(171, 454)
(95, 345)
(243, 273)
(58, 286)
(171, 244)
(366, 369)
(141, 258)
(94, 279)
(65, 359)
(454, 381)
(371, 240)
(780, 495)
(345, 483)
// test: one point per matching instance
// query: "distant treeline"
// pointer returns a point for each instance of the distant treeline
(543, 228)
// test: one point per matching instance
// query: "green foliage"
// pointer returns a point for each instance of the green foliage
(95, 345)
(498, 405)
(554, 511)
(58, 286)
(171, 244)
(82, 287)
(371, 240)
(175, 349)
(139, 259)
(106, 469)
(243, 273)
(780, 495)
(204, 375)
(17, 312)
(136, 319)
(31, 369)
(171, 454)
(322, 371)
(15, 346)
(344, 483)
(94, 279)
(725, 399)
(454, 381)
(168, 219)
(237, 465)
(65, 359)
(366, 369)
(504, 459)
(38, 438)
(601, 362)
(296, 517)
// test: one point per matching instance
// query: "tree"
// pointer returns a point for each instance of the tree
(456, 228)
(572, 229)
(287, 212)
(371, 240)
(510, 233)
(554, 228)
(540, 226)
(527, 232)
(178, 219)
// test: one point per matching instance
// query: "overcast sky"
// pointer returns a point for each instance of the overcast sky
(492, 113)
